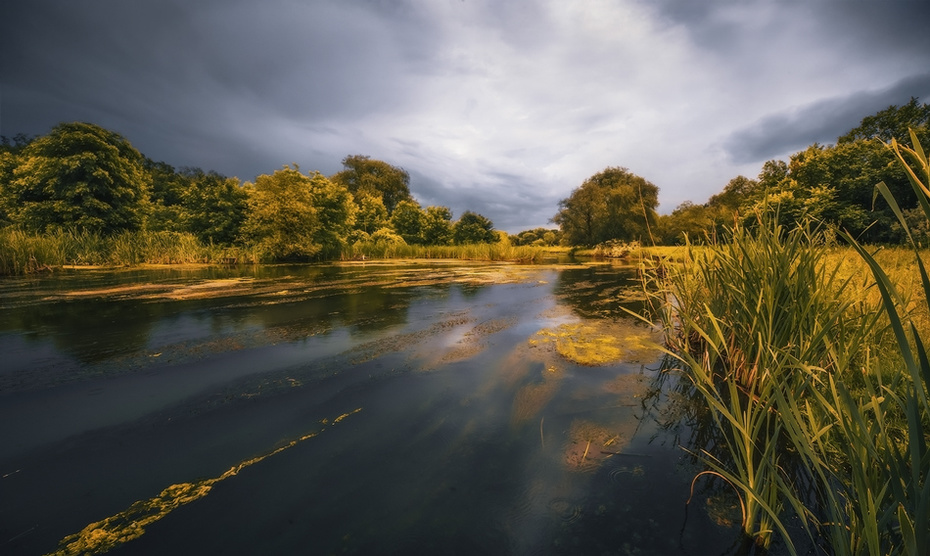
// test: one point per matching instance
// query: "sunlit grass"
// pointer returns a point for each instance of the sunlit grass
(810, 363)
(474, 252)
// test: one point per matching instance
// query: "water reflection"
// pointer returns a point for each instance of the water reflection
(499, 416)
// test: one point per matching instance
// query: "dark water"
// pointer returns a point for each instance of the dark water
(377, 409)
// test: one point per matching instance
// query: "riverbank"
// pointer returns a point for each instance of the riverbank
(22, 253)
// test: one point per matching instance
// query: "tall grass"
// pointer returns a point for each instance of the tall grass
(25, 253)
(474, 251)
(817, 388)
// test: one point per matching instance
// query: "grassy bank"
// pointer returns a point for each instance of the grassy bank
(807, 380)
(27, 253)
(477, 252)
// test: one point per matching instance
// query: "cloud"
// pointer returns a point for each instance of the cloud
(498, 107)
(822, 121)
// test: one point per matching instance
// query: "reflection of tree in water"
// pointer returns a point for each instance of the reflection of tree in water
(89, 330)
(600, 291)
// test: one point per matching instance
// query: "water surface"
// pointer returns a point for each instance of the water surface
(339, 409)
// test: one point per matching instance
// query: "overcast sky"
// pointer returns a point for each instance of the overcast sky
(497, 106)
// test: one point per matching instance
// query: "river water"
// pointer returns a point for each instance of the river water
(366, 408)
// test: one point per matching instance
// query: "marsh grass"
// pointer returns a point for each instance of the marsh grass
(25, 253)
(815, 377)
(474, 252)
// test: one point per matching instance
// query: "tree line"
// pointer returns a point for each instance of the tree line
(831, 184)
(84, 178)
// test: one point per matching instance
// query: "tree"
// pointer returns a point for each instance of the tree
(613, 204)
(687, 220)
(282, 220)
(83, 176)
(407, 220)
(335, 211)
(166, 196)
(849, 172)
(437, 226)
(362, 174)
(8, 163)
(735, 194)
(473, 228)
(371, 215)
(537, 236)
(892, 123)
(215, 206)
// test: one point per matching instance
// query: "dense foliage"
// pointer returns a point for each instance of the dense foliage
(82, 181)
(831, 184)
(612, 204)
(78, 176)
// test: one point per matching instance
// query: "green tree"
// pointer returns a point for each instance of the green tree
(537, 236)
(215, 206)
(892, 123)
(82, 176)
(371, 215)
(687, 220)
(167, 196)
(736, 194)
(849, 172)
(335, 212)
(282, 219)
(8, 162)
(407, 220)
(437, 226)
(472, 227)
(613, 204)
(363, 174)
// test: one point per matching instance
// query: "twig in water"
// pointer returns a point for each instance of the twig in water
(542, 439)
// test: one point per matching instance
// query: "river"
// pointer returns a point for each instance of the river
(358, 408)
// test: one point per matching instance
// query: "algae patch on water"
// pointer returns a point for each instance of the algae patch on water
(595, 343)
(111, 532)
(590, 443)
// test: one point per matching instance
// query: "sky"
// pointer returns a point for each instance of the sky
(501, 107)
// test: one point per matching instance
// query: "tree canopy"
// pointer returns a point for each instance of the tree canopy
(364, 174)
(612, 204)
(472, 227)
(282, 218)
(79, 176)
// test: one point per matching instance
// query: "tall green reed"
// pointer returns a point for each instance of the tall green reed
(815, 416)
(753, 321)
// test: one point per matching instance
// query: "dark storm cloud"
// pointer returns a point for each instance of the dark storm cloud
(819, 122)
(497, 107)
(184, 80)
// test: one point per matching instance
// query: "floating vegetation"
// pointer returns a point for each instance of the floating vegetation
(472, 342)
(402, 342)
(107, 534)
(590, 443)
(594, 343)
